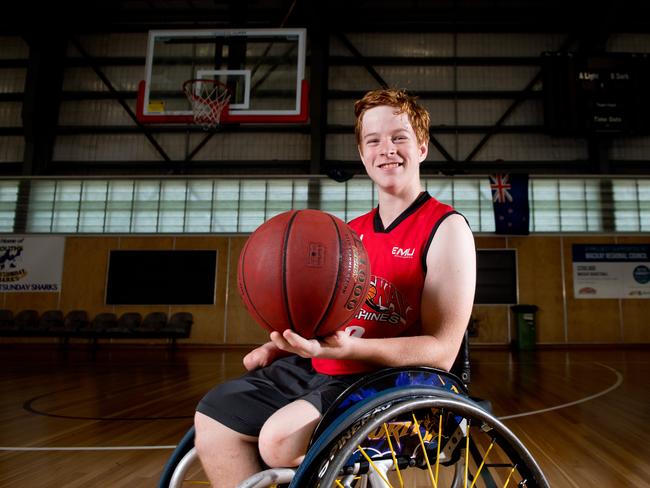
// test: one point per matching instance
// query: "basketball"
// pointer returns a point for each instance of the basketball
(304, 270)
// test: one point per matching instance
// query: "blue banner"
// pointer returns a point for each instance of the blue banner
(510, 202)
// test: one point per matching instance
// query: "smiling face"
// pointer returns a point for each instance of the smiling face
(390, 150)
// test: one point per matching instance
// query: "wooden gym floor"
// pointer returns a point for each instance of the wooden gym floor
(74, 419)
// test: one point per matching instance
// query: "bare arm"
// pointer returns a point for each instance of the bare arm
(447, 300)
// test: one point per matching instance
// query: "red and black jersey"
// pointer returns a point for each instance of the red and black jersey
(398, 266)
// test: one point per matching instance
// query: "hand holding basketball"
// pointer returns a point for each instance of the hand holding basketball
(334, 346)
(303, 270)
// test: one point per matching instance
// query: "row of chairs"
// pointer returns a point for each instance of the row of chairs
(76, 323)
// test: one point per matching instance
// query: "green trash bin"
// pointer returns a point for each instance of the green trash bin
(525, 319)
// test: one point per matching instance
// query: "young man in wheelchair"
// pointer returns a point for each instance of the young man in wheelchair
(422, 259)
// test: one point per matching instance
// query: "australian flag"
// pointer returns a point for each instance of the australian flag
(510, 201)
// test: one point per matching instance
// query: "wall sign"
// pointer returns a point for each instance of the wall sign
(611, 270)
(31, 264)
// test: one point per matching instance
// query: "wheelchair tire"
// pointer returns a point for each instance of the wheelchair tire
(496, 457)
(179, 462)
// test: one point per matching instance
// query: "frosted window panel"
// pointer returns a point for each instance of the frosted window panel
(487, 209)
(198, 212)
(441, 190)
(172, 206)
(593, 205)
(225, 206)
(333, 198)
(360, 198)
(301, 194)
(8, 199)
(41, 203)
(252, 205)
(573, 210)
(92, 210)
(644, 205)
(66, 206)
(467, 200)
(279, 197)
(626, 205)
(146, 200)
(119, 206)
(545, 205)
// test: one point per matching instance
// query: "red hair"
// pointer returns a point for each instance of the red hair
(403, 103)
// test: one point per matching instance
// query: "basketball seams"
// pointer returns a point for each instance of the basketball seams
(338, 279)
(285, 291)
(360, 303)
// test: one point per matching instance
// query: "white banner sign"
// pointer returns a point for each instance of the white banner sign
(31, 264)
(611, 271)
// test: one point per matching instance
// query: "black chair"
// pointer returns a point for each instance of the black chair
(102, 322)
(153, 322)
(7, 320)
(75, 321)
(27, 320)
(52, 321)
(179, 324)
(128, 323)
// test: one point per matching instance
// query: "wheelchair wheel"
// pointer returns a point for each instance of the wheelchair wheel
(183, 469)
(423, 439)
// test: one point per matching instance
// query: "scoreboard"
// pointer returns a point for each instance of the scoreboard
(608, 93)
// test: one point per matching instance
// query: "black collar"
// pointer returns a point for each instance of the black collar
(417, 203)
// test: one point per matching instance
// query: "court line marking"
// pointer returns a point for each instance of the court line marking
(617, 383)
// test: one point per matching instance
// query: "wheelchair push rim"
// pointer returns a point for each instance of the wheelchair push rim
(498, 458)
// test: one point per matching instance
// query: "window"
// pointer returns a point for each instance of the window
(233, 205)
(8, 200)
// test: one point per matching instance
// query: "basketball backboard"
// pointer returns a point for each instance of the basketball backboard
(264, 70)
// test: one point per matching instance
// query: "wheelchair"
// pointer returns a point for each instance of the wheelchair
(397, 427)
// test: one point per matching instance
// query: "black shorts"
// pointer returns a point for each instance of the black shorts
(245, 403)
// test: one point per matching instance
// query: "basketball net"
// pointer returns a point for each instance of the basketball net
(208, 98)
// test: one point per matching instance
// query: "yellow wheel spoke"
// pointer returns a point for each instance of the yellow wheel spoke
(338, 483)
(374, 467)
(510, 476)
(424, 451)
(438, 448)
(482, 463)
(392, 453)
(466, 455)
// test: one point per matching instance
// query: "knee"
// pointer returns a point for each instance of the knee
(285, 435)
(275, 447)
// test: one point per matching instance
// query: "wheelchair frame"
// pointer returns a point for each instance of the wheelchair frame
(384, 398)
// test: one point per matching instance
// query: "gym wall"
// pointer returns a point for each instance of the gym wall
(544, 269)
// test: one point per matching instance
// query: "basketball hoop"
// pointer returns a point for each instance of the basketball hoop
(208, 98)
